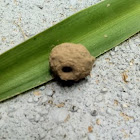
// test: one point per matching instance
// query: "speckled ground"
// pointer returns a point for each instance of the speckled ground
(104, 106)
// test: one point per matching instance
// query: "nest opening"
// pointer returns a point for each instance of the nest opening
(67, 69)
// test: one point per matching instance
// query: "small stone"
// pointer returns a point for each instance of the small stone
(131, 64)
(138, 68)
(125, 77)
(137, 41)
(130, 86)
(37, 117)
(42, 88)
(98, 122)
(44, 112)
(91, 136)
(10, 115)
(73, 2)
(42, 135)
(31, 117)
(40, 7)
(103, 73)
(99, 98)
(132, 45)
(125, 95)
(132, 130)
(44, 100)
(104, 90)
(110, 111)
(30, 100)
(60, 105)
(59, 115)
(112, 53)
(138, 103)
(122, 67)
(37, 93)
(124, 105)
(15, 121)
(128, 79)
(90, 129)
(94, 113)
(88, 104)
(0, 116)
(102, 112)
(50, 102)
(116, 49)
(49, 92)
(36, 99)
(73, 109)
(42, 119)
(12, 109)
(116, 102)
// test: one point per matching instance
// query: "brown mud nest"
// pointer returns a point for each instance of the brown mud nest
(70, 61)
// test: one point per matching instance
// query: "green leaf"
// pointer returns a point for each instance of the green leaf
(99, 28)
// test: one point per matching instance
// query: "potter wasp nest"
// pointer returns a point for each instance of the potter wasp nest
(70, 61)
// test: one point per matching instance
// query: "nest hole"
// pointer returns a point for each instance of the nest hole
(67, 69)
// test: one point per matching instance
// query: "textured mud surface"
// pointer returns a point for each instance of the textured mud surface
(70, 61)
(104, 106)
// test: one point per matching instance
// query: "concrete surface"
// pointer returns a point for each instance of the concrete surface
(104, 106)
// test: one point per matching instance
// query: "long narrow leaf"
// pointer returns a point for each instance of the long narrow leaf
(99, 28)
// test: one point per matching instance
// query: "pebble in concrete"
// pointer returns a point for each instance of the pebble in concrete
(110, 111)
(30, 100)
(91, 136)
(37, 117)
(74, 108)
(42, 88)
(42, 135)
(59, 115)
(36, 98)
(94, 113)
(49, 92)
(104, 90)
(130, 86)
(99, 98)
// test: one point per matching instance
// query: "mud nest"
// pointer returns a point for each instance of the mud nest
(70, 61)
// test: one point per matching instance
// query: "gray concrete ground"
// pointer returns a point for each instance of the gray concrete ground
(101, 107)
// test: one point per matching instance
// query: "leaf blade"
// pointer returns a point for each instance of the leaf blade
(99, 28)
